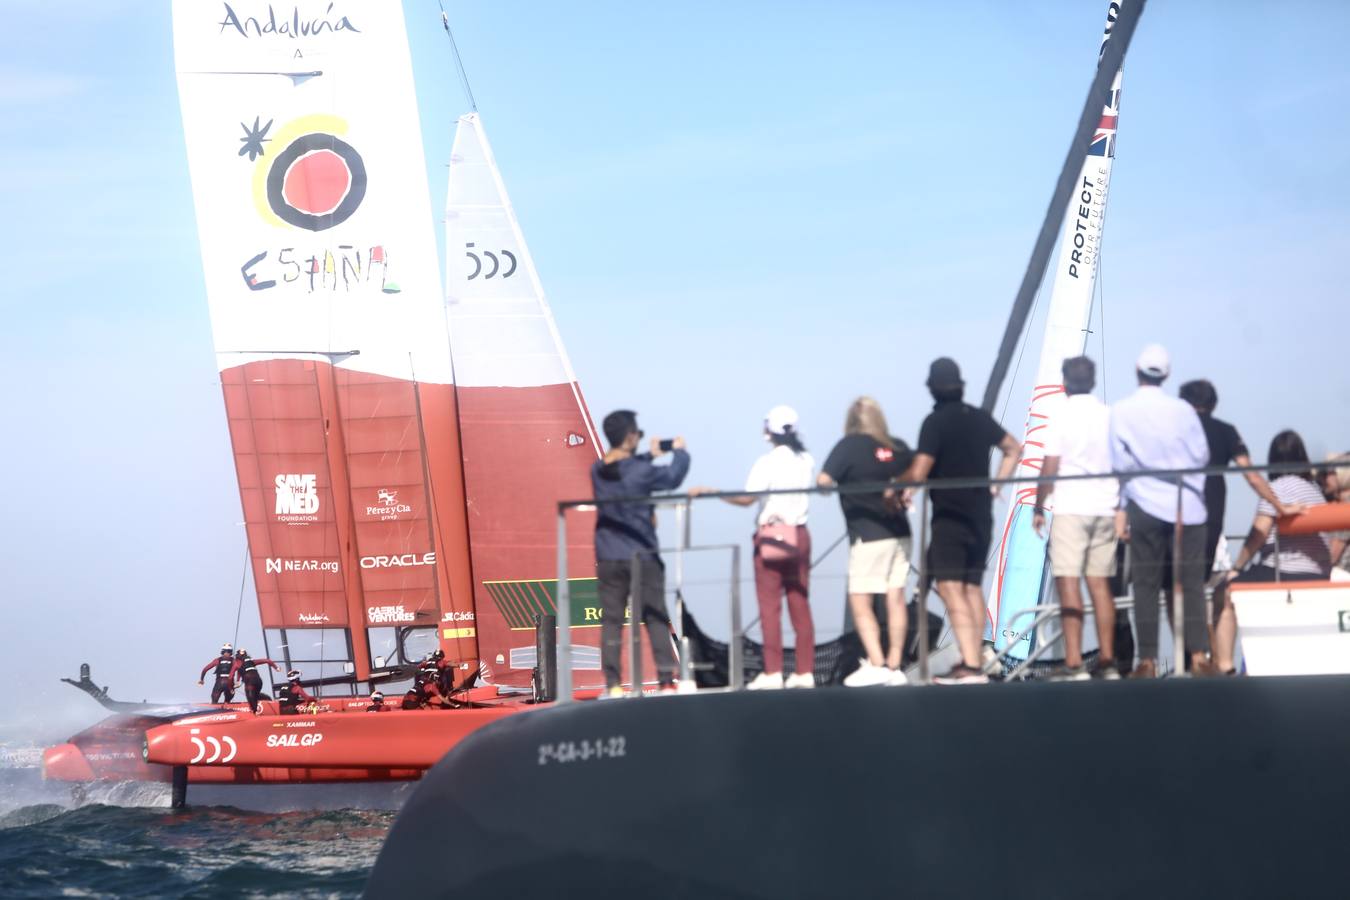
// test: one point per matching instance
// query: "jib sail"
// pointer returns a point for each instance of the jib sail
(1020, 572)
(527, 436)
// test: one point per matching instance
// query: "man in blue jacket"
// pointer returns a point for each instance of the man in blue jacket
(625, 529)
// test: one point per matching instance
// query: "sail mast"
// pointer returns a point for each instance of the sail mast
(1019, 572)
(1122, 18)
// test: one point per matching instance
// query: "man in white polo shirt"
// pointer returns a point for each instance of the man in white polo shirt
(1083, 540)
(1151, 430)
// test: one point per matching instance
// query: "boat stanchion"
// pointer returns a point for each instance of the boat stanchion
(634, 624)
(564, 686)
(683, 517)
(735, 665)
(1178, 620)
(921, 604)
(178, 799)
(546, 658)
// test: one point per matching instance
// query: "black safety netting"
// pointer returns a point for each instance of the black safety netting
(834, 660)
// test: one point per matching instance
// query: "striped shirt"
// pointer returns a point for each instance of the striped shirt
(1300, 554)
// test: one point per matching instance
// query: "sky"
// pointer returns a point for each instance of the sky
(730, 205)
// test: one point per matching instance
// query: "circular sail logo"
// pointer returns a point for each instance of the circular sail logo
(315, 181)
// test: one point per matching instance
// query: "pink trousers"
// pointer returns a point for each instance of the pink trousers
(772, 582)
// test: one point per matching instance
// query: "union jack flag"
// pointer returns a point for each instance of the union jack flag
(1104, 141)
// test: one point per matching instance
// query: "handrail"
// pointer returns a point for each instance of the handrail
(876, 487)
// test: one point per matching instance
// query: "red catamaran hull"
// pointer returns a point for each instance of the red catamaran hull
(228, 745)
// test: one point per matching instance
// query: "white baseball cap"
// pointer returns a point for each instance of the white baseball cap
(1154, 361)
(780, 419)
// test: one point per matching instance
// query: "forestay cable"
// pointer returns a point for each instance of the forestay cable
(459, 62)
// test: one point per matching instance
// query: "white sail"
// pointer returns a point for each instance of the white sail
(313, 209)
(502, 329)
(1019, 573)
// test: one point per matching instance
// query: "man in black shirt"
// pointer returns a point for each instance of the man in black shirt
(954, 442)
(1225, 445)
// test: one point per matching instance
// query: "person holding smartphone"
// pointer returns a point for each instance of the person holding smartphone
(627, 531)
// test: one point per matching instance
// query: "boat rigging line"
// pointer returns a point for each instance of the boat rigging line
(1017, 366)
(243, 580)
(1101, 309)
(459, 62)
(1113, 56)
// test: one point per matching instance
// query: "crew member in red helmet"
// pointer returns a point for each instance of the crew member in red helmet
(292, 696)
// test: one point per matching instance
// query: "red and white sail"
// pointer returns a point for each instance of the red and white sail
(319, 253)
(528, 439)
(1020, 569)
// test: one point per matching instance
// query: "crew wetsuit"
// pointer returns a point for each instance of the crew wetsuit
(291, 696)
(224, 683)
(429, 694)
(445, 677)
(412, 699)
(246, 670)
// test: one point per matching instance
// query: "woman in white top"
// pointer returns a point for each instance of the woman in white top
(782, 549)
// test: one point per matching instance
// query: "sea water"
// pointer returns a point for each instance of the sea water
(123, 841)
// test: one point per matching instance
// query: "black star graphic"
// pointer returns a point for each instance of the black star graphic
(253, 138)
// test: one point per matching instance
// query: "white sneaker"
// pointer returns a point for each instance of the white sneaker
(990, 660)
(766, 681)
(867, 675)
(898, 678)
(801, 680)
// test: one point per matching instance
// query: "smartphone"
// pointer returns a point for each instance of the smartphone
(666, 445)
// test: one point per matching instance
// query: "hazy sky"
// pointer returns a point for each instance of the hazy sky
(731, 205)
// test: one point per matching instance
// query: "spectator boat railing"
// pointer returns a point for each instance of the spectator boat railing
(735, 676)
(1046, 614)
(683, 506)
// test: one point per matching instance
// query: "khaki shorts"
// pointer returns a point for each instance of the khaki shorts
(877, 566)
(1083, 545)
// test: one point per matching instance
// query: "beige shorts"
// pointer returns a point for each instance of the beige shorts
(1083, 545)
(877, 566)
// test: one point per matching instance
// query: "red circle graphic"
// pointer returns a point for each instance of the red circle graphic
(317, 182)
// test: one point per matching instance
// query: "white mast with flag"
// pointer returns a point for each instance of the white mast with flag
(1020, 570)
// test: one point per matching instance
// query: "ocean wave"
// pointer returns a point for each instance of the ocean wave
(113, 851)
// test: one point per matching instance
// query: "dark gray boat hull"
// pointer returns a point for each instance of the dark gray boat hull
(1221, 787)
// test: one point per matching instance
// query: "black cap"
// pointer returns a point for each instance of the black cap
(944, 372)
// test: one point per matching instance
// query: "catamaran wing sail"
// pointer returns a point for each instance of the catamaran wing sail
(1020, 574)
(528, 438)
(319, 252)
